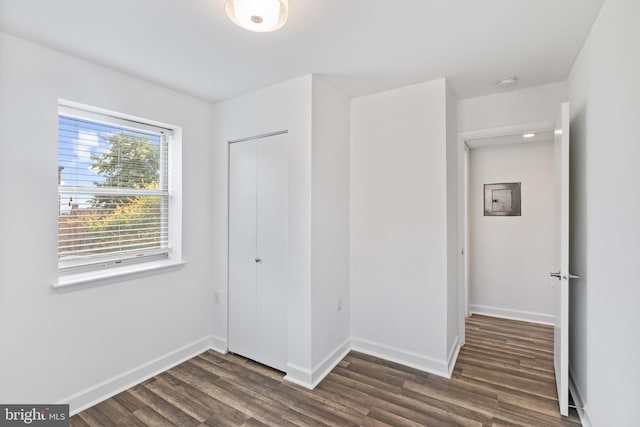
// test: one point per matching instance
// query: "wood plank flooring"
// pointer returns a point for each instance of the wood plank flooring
(503, 377)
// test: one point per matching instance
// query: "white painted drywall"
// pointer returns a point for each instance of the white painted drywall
(532, 105)
(399, 224)
(59, 343)
(454, 257)
(511, 257)
(286, 106)
(605, 320)
(329, 225)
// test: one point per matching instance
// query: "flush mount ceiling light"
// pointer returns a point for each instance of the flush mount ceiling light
(528, 135)
(507, 82)
(258, 15)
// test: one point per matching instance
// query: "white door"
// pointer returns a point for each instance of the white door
(258, 188)
(561, 272)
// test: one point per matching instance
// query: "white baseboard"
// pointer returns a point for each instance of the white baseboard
(296, 374)
(453, 356)
(583, 412)
(299, 375)
(112, 386)
(403, 357)
(219, 344)
(325, 367)
(310, 378)
(505, 313)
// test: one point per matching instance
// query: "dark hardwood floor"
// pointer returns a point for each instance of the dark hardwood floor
(503, 377)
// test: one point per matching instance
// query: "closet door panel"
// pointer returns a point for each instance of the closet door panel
(242, 249)
(272, 226)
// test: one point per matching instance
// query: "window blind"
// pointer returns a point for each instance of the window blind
(113, 190)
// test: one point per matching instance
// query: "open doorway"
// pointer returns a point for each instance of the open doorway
(512, 226)
(553, 208)
(505, 268)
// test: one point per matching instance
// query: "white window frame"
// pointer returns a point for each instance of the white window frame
(117, 269)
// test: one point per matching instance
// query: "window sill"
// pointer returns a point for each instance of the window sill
(117, 274)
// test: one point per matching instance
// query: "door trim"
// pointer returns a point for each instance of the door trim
(262, 135)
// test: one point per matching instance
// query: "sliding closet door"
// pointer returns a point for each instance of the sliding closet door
(258, 250)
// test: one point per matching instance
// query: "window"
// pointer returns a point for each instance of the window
(115, 191)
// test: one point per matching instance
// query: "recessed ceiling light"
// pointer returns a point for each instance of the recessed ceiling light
(508, 82)
(528, 135)
(258, 15)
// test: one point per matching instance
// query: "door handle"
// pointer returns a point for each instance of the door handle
(258, 260)
(559, 276)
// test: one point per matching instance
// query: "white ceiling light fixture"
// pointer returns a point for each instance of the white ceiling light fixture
(507, 82)
(528, 135)
(258, 15)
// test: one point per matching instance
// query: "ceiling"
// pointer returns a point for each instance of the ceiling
(359, 46)
(514, 138)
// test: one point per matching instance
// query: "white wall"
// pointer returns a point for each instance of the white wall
(605, 333)
(286, 106)
(57, 345)
(329, 227)
(399, 225)
(510, 257)
(532, 105)
(454, 258)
